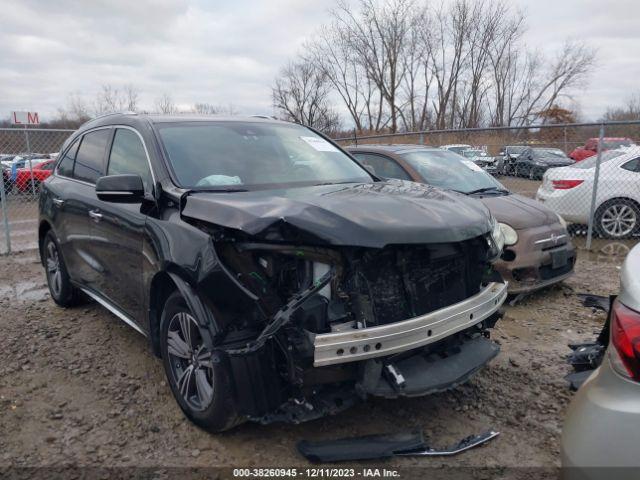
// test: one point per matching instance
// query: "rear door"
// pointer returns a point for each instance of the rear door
(79, 196)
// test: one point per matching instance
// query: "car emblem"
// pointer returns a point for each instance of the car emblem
(554, 239)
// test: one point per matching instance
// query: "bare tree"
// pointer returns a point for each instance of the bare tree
(131, 95)
(300, 94)
(397, 64)
(629, 111)
(164, 104)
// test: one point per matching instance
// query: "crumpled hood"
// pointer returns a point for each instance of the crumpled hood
(367, 215)
(519, 211)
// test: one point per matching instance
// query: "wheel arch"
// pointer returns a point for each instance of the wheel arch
(43, 228)
(163, 284)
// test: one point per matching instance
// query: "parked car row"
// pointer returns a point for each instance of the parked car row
(26, 172)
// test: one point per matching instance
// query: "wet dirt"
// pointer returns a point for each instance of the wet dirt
(79, 387)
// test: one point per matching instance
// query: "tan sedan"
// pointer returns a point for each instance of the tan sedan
(538, 250)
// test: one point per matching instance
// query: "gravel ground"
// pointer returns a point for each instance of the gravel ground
(79, 387)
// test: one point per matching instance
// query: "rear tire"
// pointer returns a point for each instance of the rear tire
(201, 386)
(60, 287)
(617, 219)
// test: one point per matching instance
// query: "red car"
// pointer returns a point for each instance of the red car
(590, 147)
(41, 171)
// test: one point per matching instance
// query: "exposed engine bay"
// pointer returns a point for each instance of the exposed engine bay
(341, 323)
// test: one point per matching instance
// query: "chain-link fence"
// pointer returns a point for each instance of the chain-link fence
(598, 195)
(28, 157)
(587, 173)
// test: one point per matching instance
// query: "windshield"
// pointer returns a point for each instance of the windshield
(473, 153)
(517, 149)
(591, 161)
(448, 170)
(245, 155)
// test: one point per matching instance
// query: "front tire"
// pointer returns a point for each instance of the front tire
(200, 385)
(61, 289)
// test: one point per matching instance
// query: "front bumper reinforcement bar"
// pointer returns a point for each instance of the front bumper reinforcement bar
(360, 344)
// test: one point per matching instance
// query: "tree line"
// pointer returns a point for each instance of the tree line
(406, 65)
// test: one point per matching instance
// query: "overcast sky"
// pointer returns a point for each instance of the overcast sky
(228, 52)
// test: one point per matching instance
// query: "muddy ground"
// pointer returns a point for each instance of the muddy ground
(79, 387)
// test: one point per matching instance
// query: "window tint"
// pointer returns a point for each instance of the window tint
(128, 157)
(88, 165)
(632, 165)
(65, 167)
(382, 166)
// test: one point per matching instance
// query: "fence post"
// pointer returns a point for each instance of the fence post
(566, 147)
(594, 192)
(5, 214)
(421, 139)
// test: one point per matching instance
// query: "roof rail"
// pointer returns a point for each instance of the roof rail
(126, 112)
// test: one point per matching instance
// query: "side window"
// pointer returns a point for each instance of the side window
(65, 166)
(129, 157)
(382, 166)
(47, 166)
(90, 155)
(632, 165)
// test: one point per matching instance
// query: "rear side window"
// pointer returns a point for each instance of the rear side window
(65, 167)
(88, 165)
(129, 157)
(632, 165)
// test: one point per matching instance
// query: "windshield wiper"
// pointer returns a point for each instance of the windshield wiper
(488, 189)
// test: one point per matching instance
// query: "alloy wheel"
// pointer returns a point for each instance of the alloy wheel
(619, 220)
(54, 274)
(190, 361)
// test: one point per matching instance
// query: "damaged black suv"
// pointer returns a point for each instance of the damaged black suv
(276, 278)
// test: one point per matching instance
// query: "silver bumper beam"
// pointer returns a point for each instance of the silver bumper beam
(355, 345)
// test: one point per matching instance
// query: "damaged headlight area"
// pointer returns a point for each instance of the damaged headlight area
(339, 324)
(496, 239)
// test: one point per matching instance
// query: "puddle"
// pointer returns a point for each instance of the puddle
(24, 291)
(606, 251)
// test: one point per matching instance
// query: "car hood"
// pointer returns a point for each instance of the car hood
(518, 211)
(368, 215)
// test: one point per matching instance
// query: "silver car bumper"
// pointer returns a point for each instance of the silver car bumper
(600, 431)
(357, 345)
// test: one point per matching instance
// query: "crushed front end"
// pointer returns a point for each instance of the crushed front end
(337, 324)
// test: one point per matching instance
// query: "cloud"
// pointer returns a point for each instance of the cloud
(228, 52)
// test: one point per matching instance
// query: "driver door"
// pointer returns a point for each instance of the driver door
(117, 229)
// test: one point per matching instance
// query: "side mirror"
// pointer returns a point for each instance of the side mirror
(120, 188)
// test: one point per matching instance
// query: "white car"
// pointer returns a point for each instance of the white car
(456, 147)
(568, 191)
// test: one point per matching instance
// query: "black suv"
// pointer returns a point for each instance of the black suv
(276, 278)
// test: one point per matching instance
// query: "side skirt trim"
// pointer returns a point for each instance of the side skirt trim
(115, 310)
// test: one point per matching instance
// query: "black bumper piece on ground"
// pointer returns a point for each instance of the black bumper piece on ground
(426, 374)
(385, 446)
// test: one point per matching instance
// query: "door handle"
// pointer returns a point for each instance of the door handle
(96, 215)
(58, 202)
